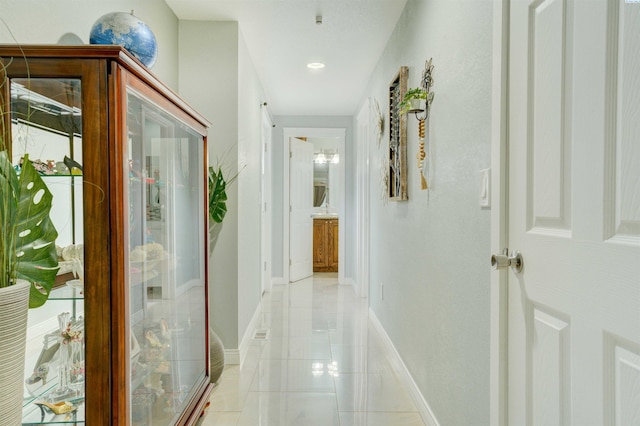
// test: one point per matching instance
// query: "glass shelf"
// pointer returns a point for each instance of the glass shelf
(55, 175)
(67, 292)
(60, 176)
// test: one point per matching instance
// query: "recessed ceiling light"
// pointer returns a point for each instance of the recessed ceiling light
(315, 65)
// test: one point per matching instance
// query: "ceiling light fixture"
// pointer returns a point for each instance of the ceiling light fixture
(315, 65)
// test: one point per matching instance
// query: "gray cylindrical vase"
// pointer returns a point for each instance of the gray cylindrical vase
(216, 355)
(14, 308)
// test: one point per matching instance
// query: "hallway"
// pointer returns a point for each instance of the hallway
(322, 364)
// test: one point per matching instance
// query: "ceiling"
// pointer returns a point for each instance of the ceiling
(282, 38)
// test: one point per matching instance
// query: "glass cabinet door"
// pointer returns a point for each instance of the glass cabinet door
(166, 278)
(46, 127)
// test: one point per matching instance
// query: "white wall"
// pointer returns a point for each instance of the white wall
(46, 21)
(209, 82)
(250, 96)
(218, 78)
(431, 252)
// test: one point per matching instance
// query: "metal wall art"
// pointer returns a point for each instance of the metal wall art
(397, 183)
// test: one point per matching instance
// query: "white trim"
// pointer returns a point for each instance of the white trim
(291, 132)
(266, 207)
(351, 282)
(231, 357)
(405, 376)
(498, 379)
(363, 139)
(278, 281)
(237, 356)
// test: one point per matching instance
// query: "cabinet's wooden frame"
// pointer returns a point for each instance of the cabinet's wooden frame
(397, 178)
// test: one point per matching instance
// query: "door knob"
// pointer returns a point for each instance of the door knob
(504, 260)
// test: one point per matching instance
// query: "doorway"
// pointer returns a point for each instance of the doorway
(320, 133)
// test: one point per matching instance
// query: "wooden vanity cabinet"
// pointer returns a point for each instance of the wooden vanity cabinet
(325, 244)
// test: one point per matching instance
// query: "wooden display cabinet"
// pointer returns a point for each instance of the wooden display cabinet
(125, 159)
(325, 245)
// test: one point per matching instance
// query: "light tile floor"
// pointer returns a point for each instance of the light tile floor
(321, 364)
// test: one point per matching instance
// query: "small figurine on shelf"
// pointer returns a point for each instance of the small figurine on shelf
(74, 167)
(40, 166)
(70, 332)
(61, 407)
(44, 362)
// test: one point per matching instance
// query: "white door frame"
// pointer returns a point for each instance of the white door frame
(266, 208)
(363, 137)
(498, 408)
(292, 132)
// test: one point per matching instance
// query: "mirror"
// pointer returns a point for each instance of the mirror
(326, 161)
(320, 183)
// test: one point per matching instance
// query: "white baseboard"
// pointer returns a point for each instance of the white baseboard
(348, 281)
(237, 356)
(425, 411)
(231, 356)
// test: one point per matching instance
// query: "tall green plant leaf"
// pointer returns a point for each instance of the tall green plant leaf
(217, 195)
(8, 206)
(35, 235)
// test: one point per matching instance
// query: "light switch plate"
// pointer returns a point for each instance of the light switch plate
(485, 188)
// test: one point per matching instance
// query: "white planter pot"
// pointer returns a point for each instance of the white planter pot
(14, 307)
(415, 105)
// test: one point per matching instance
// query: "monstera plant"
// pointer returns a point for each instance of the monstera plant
(28, 237)
(28, 268)
(217, 200)
(217, 195)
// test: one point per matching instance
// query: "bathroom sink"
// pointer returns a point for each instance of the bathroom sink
(322, 215)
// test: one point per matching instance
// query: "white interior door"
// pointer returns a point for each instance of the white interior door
(574, 212)
(301, 202)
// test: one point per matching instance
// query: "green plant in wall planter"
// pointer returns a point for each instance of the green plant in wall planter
(411, 101)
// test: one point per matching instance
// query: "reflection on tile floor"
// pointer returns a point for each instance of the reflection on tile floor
(322, 364)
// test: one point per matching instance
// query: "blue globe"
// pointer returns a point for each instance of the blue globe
(128, 31)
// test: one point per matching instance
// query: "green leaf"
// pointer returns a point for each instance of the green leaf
(35, 235)
(217, 195)
(8, 206)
